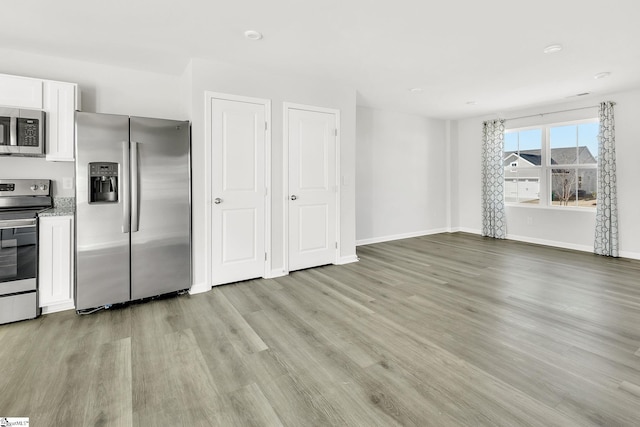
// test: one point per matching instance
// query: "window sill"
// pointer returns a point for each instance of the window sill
(552, 208)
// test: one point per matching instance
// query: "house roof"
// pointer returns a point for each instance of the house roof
(559, 156)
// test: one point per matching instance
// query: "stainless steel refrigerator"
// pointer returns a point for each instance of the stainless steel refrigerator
(133, 208)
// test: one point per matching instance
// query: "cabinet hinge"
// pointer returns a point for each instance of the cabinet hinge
(335, 132)
(266, 126)
(336, 245)
(265, 256)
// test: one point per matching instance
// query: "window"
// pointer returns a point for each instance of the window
(523, 156)
(552, 165)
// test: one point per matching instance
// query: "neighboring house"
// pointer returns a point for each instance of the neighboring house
(523, 184)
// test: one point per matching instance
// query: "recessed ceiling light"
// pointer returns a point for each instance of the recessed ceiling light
(602, 75)
(252, 35)
(416, 90)
(553, 48)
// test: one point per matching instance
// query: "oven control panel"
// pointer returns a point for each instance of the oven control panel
(25, 187)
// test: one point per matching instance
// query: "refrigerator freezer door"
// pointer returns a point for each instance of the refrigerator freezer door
(102, 248)
(160, 248)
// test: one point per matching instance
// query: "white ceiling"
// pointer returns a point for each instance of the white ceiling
(487, 51)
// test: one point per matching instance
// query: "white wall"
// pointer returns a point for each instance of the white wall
(401, 175)
(554, 226)
(453, 220)
(224, 78)
(104, 89)
(12, 167)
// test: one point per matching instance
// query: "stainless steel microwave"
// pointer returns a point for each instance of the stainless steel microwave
(22, 132)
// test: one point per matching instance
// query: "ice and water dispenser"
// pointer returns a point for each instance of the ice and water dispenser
(103, 182)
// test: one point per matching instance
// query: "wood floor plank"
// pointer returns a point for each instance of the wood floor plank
(108, 402)
(321, 274)
(173, 376)
(240, 332)
(630, 387)
(327, 322)
(254, 408)
(244, 302)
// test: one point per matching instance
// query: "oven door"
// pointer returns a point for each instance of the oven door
(18, 256)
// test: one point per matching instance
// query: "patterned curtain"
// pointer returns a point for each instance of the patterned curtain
(494, 222)
(606, 240)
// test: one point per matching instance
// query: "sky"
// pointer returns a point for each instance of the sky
(586, 134)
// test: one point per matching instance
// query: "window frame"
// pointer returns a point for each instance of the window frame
(545, 168)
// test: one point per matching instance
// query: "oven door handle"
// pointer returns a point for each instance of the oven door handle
(18, 223)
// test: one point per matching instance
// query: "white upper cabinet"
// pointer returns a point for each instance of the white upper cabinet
(59, 100)
(60, 103)
(20, 92)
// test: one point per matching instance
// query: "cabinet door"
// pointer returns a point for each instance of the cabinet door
(60, 105)
(55, 276)
(20, 92)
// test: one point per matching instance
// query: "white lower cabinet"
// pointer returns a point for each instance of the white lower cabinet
(55, 274)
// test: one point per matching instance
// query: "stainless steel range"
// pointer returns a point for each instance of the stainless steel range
(20, 202)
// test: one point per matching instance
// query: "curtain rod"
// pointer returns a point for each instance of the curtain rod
(552, 112)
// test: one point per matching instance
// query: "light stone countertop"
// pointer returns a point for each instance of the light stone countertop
(62, 206)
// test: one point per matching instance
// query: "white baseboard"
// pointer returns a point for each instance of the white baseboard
(533, 240)
(465, 230)
(348, 259)
(554, 243)
(400, 236)
(631, 255)
(54, 308)
(278, 272)
(525, 239)
(199, 288)
(564, 245)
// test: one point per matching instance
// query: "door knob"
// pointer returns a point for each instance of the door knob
(294, 197)
(217, 200)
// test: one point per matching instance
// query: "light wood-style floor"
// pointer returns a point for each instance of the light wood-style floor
(443, 330)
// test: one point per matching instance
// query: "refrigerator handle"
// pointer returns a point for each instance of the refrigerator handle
(134, 187)
(124, 189)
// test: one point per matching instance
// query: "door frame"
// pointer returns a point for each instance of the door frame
(208, 97)
(286, 106)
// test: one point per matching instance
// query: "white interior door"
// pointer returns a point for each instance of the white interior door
(312, 202)
(238, 189)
